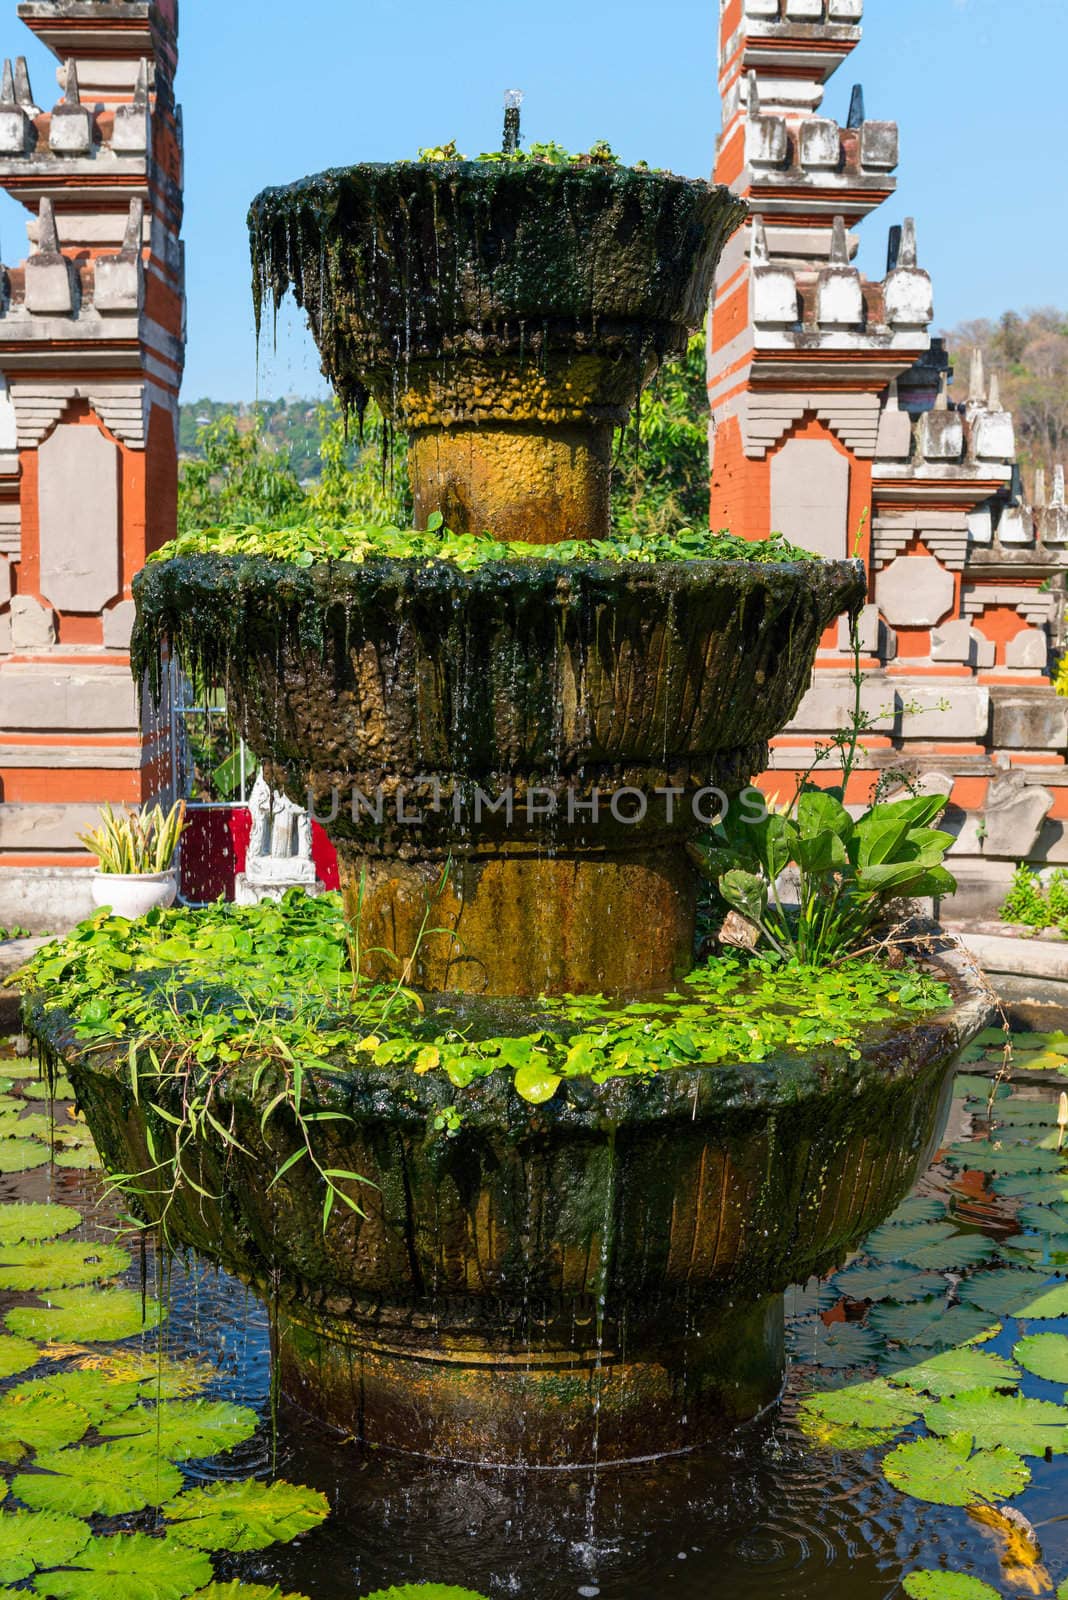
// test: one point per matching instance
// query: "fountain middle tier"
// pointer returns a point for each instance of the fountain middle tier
(394, 695)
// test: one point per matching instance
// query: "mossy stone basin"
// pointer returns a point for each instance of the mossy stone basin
(504, 315)
(475, 716)
(595, 1279)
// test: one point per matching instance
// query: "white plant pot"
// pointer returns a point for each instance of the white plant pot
(132, 894)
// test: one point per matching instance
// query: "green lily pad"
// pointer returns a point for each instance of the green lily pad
(929, 1324)
(62, 1089)
(17, 1355)
(1038, 1187)
(109, 1480)
(1000, 1292)
(917, 1208)
(31, 1539)
(32, 1125)
(993, 1036)
(1044, 1219)
(82, 1159)
(33, 1222)
(39, 1421)
(985, 1155)
(947, 1586)
(896, 1242)
(944, 1472)
(843, 1344)
(85, 1315)
(22, 1155)
(244, 1516)
(954, 1255)
(958, 1371)
(129, 1566)
(1021, 1112)
(1046, 1306)
(182, 1429)
(1044, 1354)
(59, 1265)
(425, 1591)
(859, 1417)
(158, 1377)
(97, 1396)
(236, 1590)
(1030, 1427)
(893, 1283)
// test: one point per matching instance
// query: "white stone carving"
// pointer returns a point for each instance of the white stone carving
(280, 848)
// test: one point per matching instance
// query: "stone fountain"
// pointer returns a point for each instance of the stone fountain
(598, 1278)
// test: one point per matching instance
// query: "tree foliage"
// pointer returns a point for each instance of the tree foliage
(1029, 352)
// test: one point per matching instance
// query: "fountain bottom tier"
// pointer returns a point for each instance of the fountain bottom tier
(593, 1277)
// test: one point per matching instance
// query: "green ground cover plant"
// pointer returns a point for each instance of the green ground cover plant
(1036, 902)
(307, 543)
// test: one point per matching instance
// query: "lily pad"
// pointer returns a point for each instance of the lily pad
(947, 1586)
(86, 1315)
(17, 1355)
(97, 1395)
(129, 1566)
(954, 1255)
(1044, 1219)
(985, 1155)
(917, 1208)
(425, 1591)
(958, 1371)
(158, 1377)
(22, 1155)
(31, 1539)
(182, 1429)
(895, 1242)
(59, 1265)
(1046, 1355)
(108, 1480)
(892, 1283)
(82, 1159)
(31, 1125)
(62, 1089)
(1029, 1427)
(31, 1222)
(38, 1421)
(244, 1516)
(843, 1344)
(1045, 1306)
(1000, 1293)
(944, 1472)
(859, 1417)
(1039, 1187)
(236, 1590)
(929, 1324)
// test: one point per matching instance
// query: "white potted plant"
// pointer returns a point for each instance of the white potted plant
(135, 855)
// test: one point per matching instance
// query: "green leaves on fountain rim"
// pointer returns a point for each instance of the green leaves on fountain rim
(309, 544)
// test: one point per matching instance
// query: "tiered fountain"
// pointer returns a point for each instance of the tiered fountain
(599, 1277)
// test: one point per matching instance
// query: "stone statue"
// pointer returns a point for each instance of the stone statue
(279, 855)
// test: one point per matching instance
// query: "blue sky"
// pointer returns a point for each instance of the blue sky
(273, 89)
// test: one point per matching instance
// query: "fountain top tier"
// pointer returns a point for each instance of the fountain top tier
(412, 260)
(504, 314)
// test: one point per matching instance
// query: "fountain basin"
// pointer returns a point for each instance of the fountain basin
(594, 1279)
(417, 688)
(504, 315)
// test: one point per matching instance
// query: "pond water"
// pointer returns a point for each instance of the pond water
(768, 1513)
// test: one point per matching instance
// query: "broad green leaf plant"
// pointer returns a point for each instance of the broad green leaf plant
(848, 872)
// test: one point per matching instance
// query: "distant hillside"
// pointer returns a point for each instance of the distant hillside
(291, 426)
(1029, 353)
